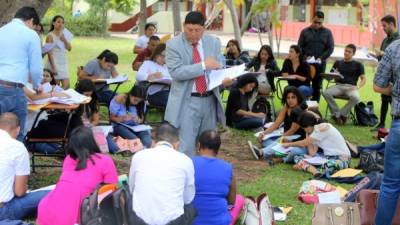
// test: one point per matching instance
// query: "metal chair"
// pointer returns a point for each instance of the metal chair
(157, 108)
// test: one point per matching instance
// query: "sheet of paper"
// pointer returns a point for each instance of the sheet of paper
(217, 76)
(47, 188)
(312, 60)
(267, 125)
(137, 128)
(280, 149)
(48, 47)
(316, 160)
(349, 172)
(329, 197)
(68, 35)
(74, 98)
(105, 129)
(312, 104)
(118, 79)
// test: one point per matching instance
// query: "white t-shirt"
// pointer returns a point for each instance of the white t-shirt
(148, 67)
(142, 41)
(329, 139)
(14, 161)
(161, 180)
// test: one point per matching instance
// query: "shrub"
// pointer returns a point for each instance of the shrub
(85, 25)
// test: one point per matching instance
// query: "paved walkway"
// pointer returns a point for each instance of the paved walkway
(251, 43)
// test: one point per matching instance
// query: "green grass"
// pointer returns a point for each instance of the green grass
(281, 182)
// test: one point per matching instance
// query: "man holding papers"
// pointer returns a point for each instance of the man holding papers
(192, 105)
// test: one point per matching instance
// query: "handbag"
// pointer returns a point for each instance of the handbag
(258, 211)
(371, 161)
(368, 202)
(336, 214)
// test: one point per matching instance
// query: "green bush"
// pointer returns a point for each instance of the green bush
(85, 25)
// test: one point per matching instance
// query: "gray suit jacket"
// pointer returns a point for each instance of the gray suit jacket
(179, 60)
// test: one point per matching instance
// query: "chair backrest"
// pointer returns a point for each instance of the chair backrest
(313, 71)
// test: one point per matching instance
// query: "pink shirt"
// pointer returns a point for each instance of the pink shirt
(62, 205)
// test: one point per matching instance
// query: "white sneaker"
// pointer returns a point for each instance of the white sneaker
(266, 210)
(254, 150)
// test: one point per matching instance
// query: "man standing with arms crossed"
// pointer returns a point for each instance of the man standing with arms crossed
(192, 107)
(20, 57)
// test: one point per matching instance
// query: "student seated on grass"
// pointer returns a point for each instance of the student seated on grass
(161, 180)
(15, 202)
(234, 55)
(238, 114)
(265, 63)
(83, 169)
(321, 136)
(128, 109)
(292, 98)
(349, 86)
(146, 53)
(101, 67)
(297, 70)
(156, 70)
(215, 182)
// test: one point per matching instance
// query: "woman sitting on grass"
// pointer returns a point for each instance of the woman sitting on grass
(292, 99)
(321, 136)
(83, 169)
(238, 113)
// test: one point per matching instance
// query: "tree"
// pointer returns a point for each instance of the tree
(9, 8)
(235, 20)
(176, 17)
(142, 16)
(101, 7)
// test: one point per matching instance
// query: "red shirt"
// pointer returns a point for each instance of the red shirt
(146, 53)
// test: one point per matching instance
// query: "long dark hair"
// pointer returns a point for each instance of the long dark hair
(236, 43)
(308, 119)
(298, 50)
(86, 85)
(268, 49)
(54, 20)
(247, 79)
(157, 51)
(140, 92)
(53, 79)
(294, 91)
(81, 146)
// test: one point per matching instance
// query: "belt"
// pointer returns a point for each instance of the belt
(10, 84)
(202, 95)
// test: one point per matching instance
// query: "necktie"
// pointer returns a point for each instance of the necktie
(201, 85)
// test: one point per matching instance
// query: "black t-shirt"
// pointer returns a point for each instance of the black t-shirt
(236, 101)
(303, 70)
(351, 71)
(287, 124)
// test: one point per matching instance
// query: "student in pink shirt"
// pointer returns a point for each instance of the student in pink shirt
(83, 169)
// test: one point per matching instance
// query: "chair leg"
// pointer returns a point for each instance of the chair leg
(33, 162)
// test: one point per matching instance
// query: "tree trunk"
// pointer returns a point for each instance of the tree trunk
(246, 22)
(176, 16)
(104, 20)
(259, 31)
(235, 21)
(8, 8)
(143, 16)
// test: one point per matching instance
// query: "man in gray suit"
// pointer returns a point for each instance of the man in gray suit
(192, 107)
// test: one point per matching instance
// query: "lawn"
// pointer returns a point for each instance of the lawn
(281, 182)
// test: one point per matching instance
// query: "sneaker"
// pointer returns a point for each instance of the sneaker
(254, 150)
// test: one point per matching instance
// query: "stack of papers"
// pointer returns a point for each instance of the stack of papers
(217, 76)
(280, 149)
(118, 79)
(47, 88)
(74, 98)
(316, 160)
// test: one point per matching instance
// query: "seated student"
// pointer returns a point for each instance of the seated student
(321, 136)
(265, 63)
(161, 180)
(15, 203)
(352, 71)
(297, 70)
(101, 67)
(141, 43)
(234, 55)
(83, 169)
(128, 109)
(238, 113)
(292, 99)
(155, 69)
(146, 53)
(215, 182)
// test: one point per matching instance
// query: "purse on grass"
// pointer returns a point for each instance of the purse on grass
(258, 211)
(336, 214)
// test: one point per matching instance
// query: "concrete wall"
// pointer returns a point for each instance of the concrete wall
(164, 21)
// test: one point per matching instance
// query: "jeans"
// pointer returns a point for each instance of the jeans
(19, 208)
(248, 123)
(268, 152)
(307, 91)
(112, 147)
(14, 100)
(390, 188)
(159, 98)
(380, 147)
(127, 133)
(46, 148)
(105, 96)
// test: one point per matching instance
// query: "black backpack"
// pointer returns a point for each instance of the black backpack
(262, 105)
(114, 209)
(371, 161)
(372, 181)
(365, 114)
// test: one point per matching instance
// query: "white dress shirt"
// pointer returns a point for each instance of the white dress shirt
(14, 161)
(149, 67)
(161, 180)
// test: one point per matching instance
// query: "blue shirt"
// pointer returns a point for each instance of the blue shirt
(120, 110)
(20, 54)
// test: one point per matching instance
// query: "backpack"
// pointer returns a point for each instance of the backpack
(262, 105)
(365, 114)
(258, 211)
(371, 161)
(372, 181)
(115, 206)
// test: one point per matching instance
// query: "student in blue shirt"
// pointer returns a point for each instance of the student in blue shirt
(128, 109)
(20, 59)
